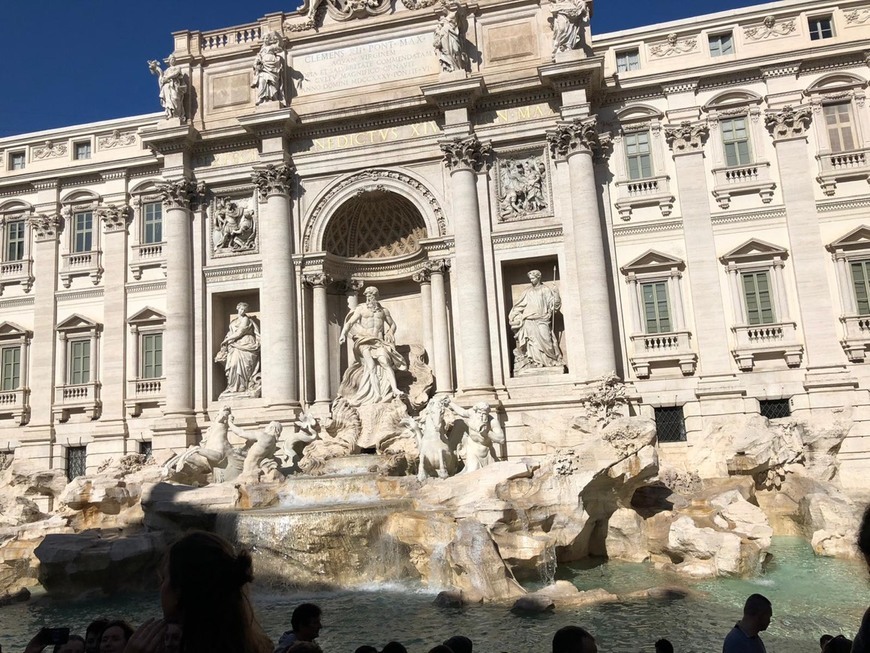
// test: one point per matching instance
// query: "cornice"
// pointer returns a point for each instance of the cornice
(147, 286)
(748, 216)
(228, 272)
(77, 295)
(830, 206)
(16, 302)
(648, 228)
(523, 235)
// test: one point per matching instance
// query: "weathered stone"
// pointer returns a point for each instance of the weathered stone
(533, 604)
(626, 536)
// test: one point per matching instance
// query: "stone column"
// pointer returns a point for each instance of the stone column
(279, 335)
(789, 130)
(440, 326)
(634, 293)
(320, 327)
(352, 288)
(575, 141)
(465, 157)
(423, 277)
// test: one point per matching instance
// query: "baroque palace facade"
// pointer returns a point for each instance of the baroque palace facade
(697, 191)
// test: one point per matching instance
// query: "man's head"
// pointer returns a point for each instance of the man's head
(171, 60)
(481, 407)
(93, 634)
(535, 277)
(275, 429)
(305, 622)
(573, 639)
(459, 644)
(371, 294)
(757, 612)
(664, 646)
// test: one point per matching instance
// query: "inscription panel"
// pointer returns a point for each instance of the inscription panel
(375, 136)
(511, 42)
(230, 90)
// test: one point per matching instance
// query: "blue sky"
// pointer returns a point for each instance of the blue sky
(67, 62)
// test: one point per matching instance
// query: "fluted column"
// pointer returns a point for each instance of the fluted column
(320, 328)
(465, 157)
(575, 142)
(423, 277)
(440, 326)
(178, 336)
(279, 335)
(352, 288)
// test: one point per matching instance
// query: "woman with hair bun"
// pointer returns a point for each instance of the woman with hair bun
(204, 588)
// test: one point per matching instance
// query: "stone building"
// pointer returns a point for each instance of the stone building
(696, 191)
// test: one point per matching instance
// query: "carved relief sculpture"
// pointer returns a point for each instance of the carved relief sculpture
(468, 152)
(49, 150)
(173, 87)
(687, 136)
(578, 135)
(770, 29)
(240, 355)
(569, 19)
(483, 432)
(522, 187)
(371, 379)
(673, 46)
(532, 320)
(448, 42)
(269, 70)
(788, 123)
(116, 139)
(233, 226)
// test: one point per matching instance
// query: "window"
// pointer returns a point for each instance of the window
(670, 424)
(756, 294)
(735, 140)
(152, 223)
(82, 150)
(838, 122)
(721, 44)
(76, 462)
(152, 355)
(83, 231)
(145, 449)
(627, 61)
(17, 160)
(10, 360)
(861, 284)
(79, 362)
(774, 408)
(637, 151)
(15, 240)
(821, 28)
(656, 312)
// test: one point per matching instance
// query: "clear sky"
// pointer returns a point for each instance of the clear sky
(67, 62)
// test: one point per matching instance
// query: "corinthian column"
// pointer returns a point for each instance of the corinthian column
(576, 141)
(440, 326)
(423, 277)
(465, 157)
(280, 349)
(320, 329)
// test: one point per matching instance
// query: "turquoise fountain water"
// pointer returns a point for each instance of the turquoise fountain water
(810, 596)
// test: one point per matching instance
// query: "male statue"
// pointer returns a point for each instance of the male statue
(477, 448)
(531, 320)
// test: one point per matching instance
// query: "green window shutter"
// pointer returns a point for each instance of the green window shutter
(860, 280)
(657, 318)
(11, 368)
(152, 356)
(756, 293)
(80, 362)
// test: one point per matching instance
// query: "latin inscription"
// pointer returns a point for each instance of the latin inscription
(376, 136)
(514, 114)
(228, 90)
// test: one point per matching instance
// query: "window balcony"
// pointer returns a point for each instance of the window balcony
(857, 330)
(84, 397)
(16, 403)
(81, 264)
(742, 180)
(12, 272)
(767, 340)
(662, 350)
(840, 166)
(146, 256)
(644, 192)
(142, 392)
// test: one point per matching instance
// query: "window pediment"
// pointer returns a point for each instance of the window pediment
(76, 322)
(147, 316)
(79, 197)
(640, 112)
(11, 330)
(652, 261)
(15, 208)
(754, 250)
(733, 100)
(857, 239)
(835, 84)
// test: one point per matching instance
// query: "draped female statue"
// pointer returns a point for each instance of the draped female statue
(240, 355)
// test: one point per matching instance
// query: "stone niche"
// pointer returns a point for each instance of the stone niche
(223, 313)
(515, 281)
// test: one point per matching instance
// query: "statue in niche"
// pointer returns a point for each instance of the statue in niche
(448, 40)
(173, 87)
(477, 447)
(371, 379)
(269, 70)
(568, 19)
(430, 431)
(234, 229)
(521, 189)
(532, 321)
(240, 355)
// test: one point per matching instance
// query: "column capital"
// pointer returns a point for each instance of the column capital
(437, 266)
(422, 276)
(788, 123)
(466, 153)
(351, 286)
(45, 227)
(573, 137)
(273, 179)
(687, 137)
(115, 218)
(317, 279)
(180, 193)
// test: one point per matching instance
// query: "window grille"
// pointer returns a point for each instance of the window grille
(146, 449)
(670, 424)
(774, 408)
(76, 462)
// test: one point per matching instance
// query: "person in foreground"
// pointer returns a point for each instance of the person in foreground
(861, 643)
(305, 624)
(574, 639)
(743, 638)
(204, 589)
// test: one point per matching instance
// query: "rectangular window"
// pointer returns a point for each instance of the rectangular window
(721, 44)
(821, 28)
(83, 231)
(838, 122)
(146, 449)
(152, 355)
(79, 362)
(627, 61)
(861, 284)
(670, 424)
(17, 160)
(774, 408)
(735, 140)
(637, 152)
(15, 240)
(756, 293)
(10, 359)
(76, 462)
(656, 313)
(82, 150)
(152, 223)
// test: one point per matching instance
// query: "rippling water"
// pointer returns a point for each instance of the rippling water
(810, 596)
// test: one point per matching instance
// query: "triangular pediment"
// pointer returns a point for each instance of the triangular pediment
(76, 321)
(651, 261)
(147, 315)
(856, 239)
(10, 330)
(754, 249)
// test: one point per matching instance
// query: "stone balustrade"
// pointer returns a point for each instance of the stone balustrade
(236, 37)
(141, 392)
(777, 340)
(81, 264)
(15, 403)
(857, 336)
(839, 166)
(663, 350)
(649, 191)
(150, 255)
(84, 397)
(740, 180)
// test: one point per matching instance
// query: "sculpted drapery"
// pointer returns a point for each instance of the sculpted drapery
(240, 354)
(531, 320)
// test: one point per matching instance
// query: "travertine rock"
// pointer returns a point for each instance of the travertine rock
(626, 536)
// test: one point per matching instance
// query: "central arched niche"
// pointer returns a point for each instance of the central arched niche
(376, 224)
